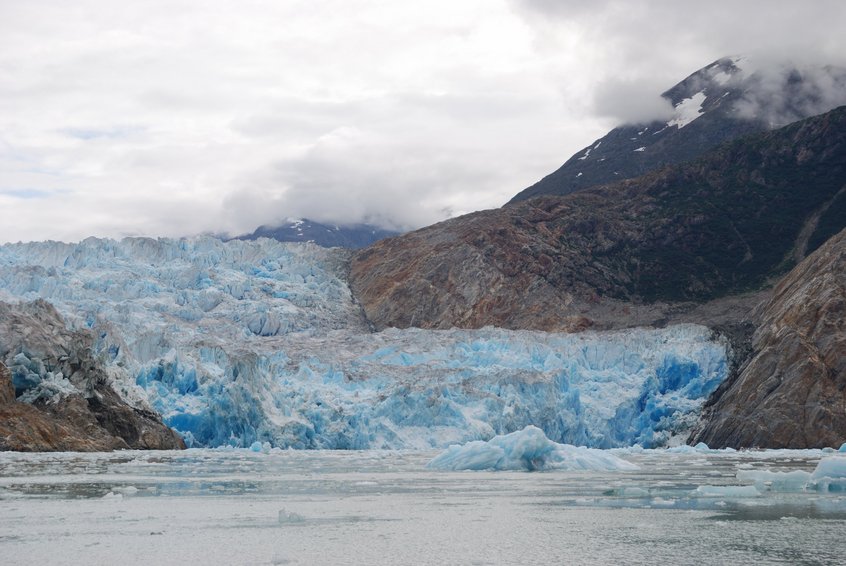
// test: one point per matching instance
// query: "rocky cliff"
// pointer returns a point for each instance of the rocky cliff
(680, 244)
(55, 395)
(791, 391)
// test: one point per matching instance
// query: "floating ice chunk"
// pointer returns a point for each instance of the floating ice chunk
(287, 517)
(830, 474)
(256, 446)
(527, 449)
(842, 448)
(630, 492)
(766, 480)
(685, 449)
(642, 148)
(729, 491)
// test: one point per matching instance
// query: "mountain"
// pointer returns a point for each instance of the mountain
(791, 390)
(352, 236)
(727, 99)
(635, 252)
(57, 394)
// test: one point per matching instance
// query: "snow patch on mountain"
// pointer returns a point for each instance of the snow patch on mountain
(688, 110)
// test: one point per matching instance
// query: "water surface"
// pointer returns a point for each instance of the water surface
(329, 507)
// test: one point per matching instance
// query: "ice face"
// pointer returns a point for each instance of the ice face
(242, 342)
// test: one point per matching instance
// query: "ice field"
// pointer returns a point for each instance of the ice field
(236, 506)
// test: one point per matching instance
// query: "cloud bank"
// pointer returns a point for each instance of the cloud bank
(174, 118)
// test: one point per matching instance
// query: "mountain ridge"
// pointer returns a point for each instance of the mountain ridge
(724, 224)
(731, 102)
(352, 236)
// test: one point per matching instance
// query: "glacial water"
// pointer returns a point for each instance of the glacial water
(236, 506)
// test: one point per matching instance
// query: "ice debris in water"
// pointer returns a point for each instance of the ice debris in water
(828, 476)
(732, 491)
(527, 449)
(243, 342)
(289, 517)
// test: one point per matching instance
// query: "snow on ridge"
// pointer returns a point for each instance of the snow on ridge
(237, 342)
(688, 110)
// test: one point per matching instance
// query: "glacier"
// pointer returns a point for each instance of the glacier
(244, 342)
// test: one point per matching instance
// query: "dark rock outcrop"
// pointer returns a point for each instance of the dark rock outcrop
(675, 245)
(55, 394)
(353, 236)
(791, 392)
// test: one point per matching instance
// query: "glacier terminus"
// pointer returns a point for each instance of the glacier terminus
(236, 343)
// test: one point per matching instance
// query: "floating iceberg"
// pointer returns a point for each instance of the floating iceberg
(830, 474)
(242, 342)
(528, 449)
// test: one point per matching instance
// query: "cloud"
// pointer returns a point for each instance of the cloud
(168, 118)
(781, 92)
(631, 102)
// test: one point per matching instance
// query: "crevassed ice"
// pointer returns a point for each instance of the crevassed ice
(243, 342)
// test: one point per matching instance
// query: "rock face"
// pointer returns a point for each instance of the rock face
(55, 395)
(641, 252)
(791, 393)
(723, 101)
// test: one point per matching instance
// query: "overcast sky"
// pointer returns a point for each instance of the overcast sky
(171, 118)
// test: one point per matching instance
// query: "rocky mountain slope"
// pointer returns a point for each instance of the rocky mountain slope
(328, 236)
(727, 99)
(55, 394)
(636, 252)
(791, 391)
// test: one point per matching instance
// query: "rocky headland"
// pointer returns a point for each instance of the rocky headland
(56, 395)
(790, 391)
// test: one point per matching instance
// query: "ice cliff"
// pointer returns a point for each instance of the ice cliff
(239, 342)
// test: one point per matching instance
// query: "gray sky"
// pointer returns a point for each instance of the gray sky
(170, 118)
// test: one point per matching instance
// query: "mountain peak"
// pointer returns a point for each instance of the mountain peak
(727, 99)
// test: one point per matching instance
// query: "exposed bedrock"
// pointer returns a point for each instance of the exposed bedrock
(791, 392)
(56, 395)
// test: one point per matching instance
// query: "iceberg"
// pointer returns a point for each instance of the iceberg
(240, 342)
(528, 449)
(829, 475)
